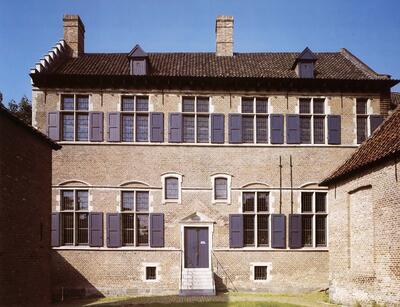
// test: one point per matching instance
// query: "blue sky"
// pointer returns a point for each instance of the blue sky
(28, 29)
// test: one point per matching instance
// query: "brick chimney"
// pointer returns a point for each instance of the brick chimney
(224, 35)
(74, 34)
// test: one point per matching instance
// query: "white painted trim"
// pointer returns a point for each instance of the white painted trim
(252, 271)
(158, 271)
(133, 182)
(72, 180)
(173, 175)
(228, 188)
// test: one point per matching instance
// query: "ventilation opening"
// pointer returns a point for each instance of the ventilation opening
(260, 273)
(151, 273)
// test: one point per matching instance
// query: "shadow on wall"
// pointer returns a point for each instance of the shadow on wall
(67, 282)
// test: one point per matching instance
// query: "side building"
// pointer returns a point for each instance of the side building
(25, 206)
(191, 172)
(364, 241)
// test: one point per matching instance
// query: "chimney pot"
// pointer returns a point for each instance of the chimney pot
(74, 34)
(224, 35)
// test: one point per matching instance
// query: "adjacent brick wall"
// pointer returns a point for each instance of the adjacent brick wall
(365, 237)
(25, 205)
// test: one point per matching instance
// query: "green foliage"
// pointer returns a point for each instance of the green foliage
(23, 109)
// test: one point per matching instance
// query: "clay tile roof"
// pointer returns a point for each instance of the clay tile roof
(329, 65)
(384, 143)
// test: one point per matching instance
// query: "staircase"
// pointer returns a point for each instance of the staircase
(197, 282)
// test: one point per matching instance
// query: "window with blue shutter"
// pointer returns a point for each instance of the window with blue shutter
(217, 128)
(375, 121)
(157, 127)
(53, 125)
(96, 126)
(114, 230)
(292, 129)
(235, 230)
(235, 128)
(175, 128)
(295, 233)
(157, 230)
(114, 130)
(55, 229)
(276, 129)
(334, 129)
(95, 229)
(278, 231)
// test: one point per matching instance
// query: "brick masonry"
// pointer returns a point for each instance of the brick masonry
(364, 237)
(25, 161)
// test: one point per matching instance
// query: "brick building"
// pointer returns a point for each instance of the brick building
(186, 172)
(364, 222)
(25, 203)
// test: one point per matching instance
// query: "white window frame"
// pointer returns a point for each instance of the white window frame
(255, 213)
(158, 271)
(312, 115)
(228, 187)
(173, 175)
(314, 214)
(75, 113)
(254, 115)
(366, 115)
(195, 114)
(253, 273)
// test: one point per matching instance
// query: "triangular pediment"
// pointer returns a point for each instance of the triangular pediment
(137, 52)
(197, 217)
(307, 55)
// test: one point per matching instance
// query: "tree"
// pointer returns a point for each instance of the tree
(23, 109)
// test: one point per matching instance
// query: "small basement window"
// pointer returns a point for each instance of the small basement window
(151, 273)
(260, 272)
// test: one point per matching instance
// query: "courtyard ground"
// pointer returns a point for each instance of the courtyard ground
(221, 300)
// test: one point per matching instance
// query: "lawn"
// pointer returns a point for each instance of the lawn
(221, 300)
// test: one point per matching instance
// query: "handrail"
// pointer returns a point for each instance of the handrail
(225, 272)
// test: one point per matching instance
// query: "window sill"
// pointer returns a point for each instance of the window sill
(270, 249)
(123, 248)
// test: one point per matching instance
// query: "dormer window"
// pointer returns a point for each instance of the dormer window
(138, 61)
(305, 64)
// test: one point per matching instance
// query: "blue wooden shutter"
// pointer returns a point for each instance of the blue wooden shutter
(175, 128)
(295, 239)
(157, 127)
(236, 230)
(276, 129)
(114, 130)
(292, 129)
(235, 128)
(217, 128)
(375, 121)
(55, 229)
(96, 229)
(334, 129)
(278, 225)
(157, 230)
(96, 126)
(53, 125)
(114, 230)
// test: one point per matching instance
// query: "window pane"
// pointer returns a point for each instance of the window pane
(305, 129)
(248, 225)
(82, 102)
(202, 129)
(262, 201)
(306, 201)
(202, 104)
(127, 128)
(82, 228)
(320, 202)
(221, 188)
(361, 129)
(262, 129)
(128, 232)
(319, 130)
(261, 105)
(188, 104)
(307, 230)
(67, 102)
(142, 224)
(67, 221)
(247, 105)
(319, 106)
(320, 224)
(142, 201)
(142, 124)
(248, 201)
(171, 188)
(128, 103)
(188, 129)
(262, 230)
(67, 201)
(305, 105)
(82, 200)
(127, 201)
(142, 103)
(68, 127)
(361, 107)
(260, 273)
(83, 127)
(248, 129)
(150, 272)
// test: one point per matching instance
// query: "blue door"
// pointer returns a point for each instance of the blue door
(196, 247)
